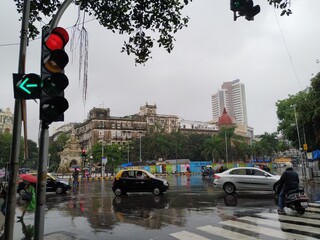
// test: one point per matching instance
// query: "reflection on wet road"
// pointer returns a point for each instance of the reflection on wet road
(93, 212)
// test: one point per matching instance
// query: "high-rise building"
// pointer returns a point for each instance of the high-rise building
(232, 96)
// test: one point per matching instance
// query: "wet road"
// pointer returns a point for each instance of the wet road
(189, 207)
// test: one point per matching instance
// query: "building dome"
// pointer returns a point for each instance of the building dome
(225, 119)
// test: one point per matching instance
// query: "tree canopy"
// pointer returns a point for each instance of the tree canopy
(300, 113)
(144, 21)
(5, 148)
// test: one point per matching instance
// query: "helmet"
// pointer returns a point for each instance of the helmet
(288, 165)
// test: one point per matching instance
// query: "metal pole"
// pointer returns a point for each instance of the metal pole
(16, 134)
(225, 136)
(301, 158)
(128, 153)
(102, 153)
(140, 149)
(56, 18)
(41, 182)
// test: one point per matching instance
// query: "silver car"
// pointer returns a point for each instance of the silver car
(245, 178)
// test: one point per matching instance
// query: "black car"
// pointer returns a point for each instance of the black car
(129, 180)
(54, 184)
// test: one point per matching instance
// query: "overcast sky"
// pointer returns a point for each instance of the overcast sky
(273, 56)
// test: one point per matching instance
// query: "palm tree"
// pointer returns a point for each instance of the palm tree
(233, 143)
(213, 147)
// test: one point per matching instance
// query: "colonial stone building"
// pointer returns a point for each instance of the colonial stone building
(102, 127)
(6, 121)
(70, 154)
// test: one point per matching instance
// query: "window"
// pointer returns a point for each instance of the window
(238, 172)
(258, 173)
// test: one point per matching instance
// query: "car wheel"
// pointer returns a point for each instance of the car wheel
(229, 188)
(59, 190)
(22, 192)
(118, 191)
(156, 191)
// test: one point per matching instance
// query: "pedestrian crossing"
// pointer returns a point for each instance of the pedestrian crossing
(262, 225)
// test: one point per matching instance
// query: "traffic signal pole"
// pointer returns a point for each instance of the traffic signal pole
(41, 182)
(16, 134)
(43, 152)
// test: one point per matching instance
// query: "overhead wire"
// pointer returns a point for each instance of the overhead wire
(287, 49)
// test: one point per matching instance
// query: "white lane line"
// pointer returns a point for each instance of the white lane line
(185, 235)
(313, 209)
(266, 231)
(282, 225)
(290, 218)
(314, 205)
(221, 232)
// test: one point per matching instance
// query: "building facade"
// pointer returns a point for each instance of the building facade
(101, 127)
(232, 97)
(6, 121)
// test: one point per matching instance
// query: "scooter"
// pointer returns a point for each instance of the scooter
(295, 199)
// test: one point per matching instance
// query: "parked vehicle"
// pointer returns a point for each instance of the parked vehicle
(245, 178)
(138, 180)
(54, 184)
(295, 199)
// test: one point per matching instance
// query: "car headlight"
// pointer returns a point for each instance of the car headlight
(165, 183)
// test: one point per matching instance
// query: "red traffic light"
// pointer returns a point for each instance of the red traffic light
(83, 153)
(57, 39)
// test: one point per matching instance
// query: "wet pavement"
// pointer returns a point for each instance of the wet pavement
(93, 212)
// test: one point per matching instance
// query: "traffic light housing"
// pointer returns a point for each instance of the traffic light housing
(83, 153)
(244, 8)
(53, 61)
(27, 86)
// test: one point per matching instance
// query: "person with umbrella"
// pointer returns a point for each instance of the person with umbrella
(30, 195)
(75, 176)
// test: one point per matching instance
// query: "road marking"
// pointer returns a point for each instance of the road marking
(290, 218)
(313, 209)
(314, 205)
(185, 235)
(221, 232)
(282, 225)
(266, 231)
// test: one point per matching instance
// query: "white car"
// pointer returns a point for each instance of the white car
(245, 178)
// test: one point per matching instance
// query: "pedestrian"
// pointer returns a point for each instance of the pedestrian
(30, 198)
(289, 180)
(75, 176)
(3, 195)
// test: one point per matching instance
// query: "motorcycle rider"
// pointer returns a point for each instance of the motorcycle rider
(289, 180)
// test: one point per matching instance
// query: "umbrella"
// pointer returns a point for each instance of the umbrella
(28, 177)
(75, 167)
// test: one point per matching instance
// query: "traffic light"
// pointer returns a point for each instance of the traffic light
(83, 153)
(244, 8)
(53, 61)
(27, 86)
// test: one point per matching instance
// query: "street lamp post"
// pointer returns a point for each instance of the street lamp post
(225, 136)
(129, 152)
(90, 164)
(102, 154)
(128, 157)
(301, 158)
(140, 149)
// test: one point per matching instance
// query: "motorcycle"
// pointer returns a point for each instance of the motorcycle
(295, 199)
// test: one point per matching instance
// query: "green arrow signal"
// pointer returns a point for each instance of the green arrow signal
(25, 88)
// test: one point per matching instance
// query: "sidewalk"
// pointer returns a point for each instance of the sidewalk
(51, 236)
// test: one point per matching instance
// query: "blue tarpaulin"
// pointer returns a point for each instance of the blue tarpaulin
(316, 154)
